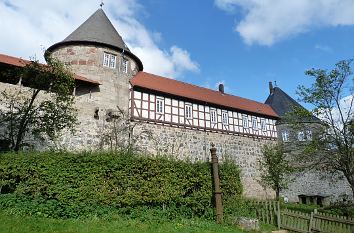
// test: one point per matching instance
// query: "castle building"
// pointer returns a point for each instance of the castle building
(308, 186)
(183, 119)
(170, 117)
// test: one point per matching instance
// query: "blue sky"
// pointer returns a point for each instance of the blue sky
(243, 44)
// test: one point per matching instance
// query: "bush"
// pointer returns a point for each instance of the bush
(83, 184)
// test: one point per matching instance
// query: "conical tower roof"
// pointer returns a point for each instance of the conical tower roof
(97, 30)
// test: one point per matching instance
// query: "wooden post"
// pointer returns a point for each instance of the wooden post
(278, 215)
(217, 190)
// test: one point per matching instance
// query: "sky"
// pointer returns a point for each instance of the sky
(243, 44)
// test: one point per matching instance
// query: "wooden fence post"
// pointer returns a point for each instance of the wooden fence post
(217, 190)
(278, 215)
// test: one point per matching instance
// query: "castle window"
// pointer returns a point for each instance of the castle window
(213, 116)
(309, 135)
(245, 121)
(225, 118)
(263, 125)
(285, 136)
(109, 60)
(159, 106)
(188, 111)
(301, 136)
(125, 63)
(254, 123)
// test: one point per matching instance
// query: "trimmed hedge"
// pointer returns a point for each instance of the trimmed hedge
(77, 184)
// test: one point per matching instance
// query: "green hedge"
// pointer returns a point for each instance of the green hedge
(71, 185)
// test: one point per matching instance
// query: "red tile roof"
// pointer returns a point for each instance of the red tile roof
(15, 61)
(189, 91)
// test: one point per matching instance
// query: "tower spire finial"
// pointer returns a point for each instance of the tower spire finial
(101, 5)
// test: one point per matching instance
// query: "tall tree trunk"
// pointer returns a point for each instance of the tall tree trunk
(24, 121)
(277, 194)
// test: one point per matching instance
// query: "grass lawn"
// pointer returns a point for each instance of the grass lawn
(29, 224)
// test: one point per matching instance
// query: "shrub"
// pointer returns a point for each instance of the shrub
(72, 185)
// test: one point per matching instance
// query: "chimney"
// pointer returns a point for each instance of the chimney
(271, 89)
(221, 88)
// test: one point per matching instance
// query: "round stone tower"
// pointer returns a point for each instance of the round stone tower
(96, 51)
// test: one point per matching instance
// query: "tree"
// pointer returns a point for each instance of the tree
(275, 168)
(42, 109)
(331, 96)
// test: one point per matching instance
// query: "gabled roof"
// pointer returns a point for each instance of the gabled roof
(19, 62)
(97, 30)
(282, 103)
(192, 92)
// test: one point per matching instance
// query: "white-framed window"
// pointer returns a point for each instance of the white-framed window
(188, 111)
(225, 118)
(254, 123)
(213, 118)
(109, 60)
(125, 64)
(245, 121)
(263, 125)
(159, 105)
(301, 136)
(285, 135)
(309, 135)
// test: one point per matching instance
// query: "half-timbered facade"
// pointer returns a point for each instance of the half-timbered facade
(198, 108)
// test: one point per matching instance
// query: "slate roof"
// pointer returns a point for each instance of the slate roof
(282, 103)
(19, 62)
(97, 29)
(201, 94)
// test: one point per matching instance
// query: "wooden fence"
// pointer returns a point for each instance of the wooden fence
(296, 221)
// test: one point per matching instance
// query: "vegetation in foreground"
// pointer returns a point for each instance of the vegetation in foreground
(31, 224)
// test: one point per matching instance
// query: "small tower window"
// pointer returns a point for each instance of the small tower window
(285, 136)
(309, 135)
(301, 136)
(125, 64)
(109, 60)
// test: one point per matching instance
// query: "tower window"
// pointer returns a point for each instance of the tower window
(109, 60)
(309, 135)
(301, 136)
(125, 63)
(285, 136)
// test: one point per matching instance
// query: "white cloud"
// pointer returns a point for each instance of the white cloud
(30, 26)
(323, 48)
(268, 21)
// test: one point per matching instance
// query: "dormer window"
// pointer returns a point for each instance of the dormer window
(125, 63)
(109, 60)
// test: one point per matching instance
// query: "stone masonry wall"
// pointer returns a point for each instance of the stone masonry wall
(194, 145)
